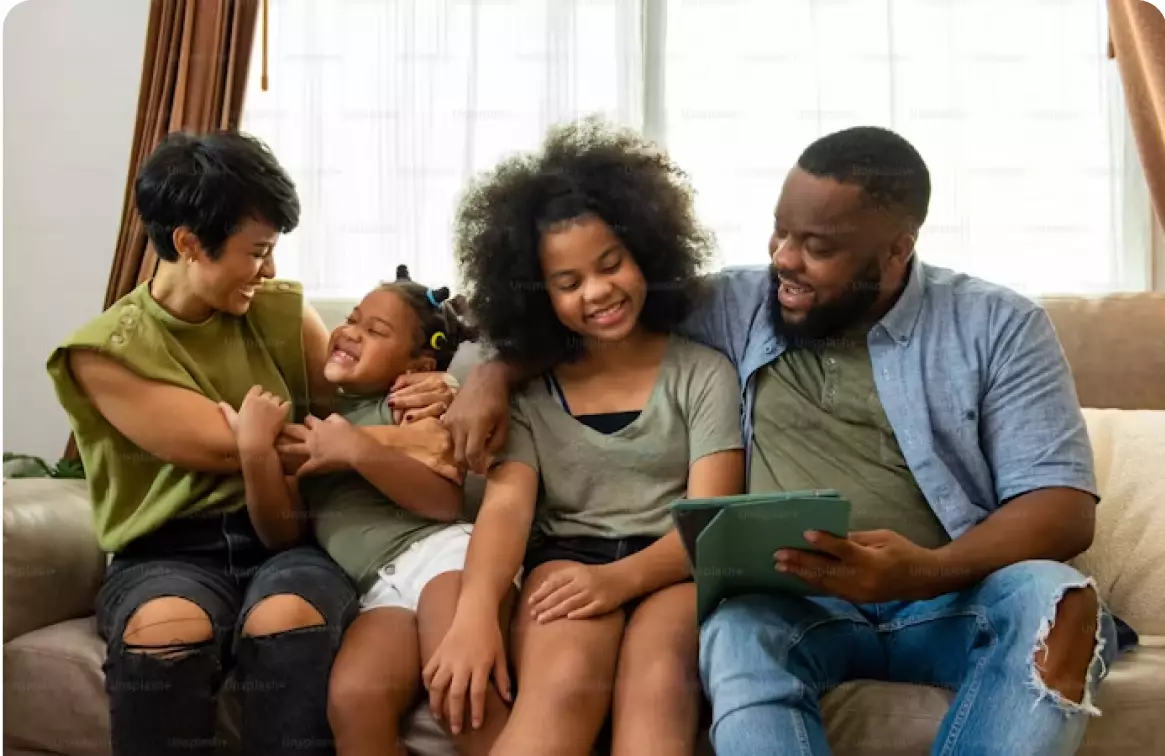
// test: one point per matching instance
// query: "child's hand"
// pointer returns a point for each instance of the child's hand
(579, 591)
(332, 444)
(260, 419)
(464, 660)
(230, 415)
(291, 444)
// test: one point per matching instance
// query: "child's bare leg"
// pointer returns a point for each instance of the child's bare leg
(374, 683)
(566, 670)
(435, 613)
(657, 686)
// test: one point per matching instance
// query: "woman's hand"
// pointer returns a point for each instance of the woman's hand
(291, 445)
(416, 396)
(470, 652)
(332, 445)
(479, 417)
(579, 591)
(260, 419)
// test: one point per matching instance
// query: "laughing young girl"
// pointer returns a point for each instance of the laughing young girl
(390, 522)
(582, 258)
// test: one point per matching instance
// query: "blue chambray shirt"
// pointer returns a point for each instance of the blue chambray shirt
(971, 376)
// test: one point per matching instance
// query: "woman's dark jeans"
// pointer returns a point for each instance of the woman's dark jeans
(165, 702)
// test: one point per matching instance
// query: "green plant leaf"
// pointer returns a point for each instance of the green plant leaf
(69, 468)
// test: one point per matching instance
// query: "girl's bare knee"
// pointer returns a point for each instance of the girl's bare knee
(665, 678)
(571, 676)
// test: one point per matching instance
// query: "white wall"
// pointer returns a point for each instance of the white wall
(72, 69)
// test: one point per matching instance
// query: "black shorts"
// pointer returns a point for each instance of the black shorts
(218, 563)
(583, 549)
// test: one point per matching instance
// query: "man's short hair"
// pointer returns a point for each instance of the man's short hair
(889, 170)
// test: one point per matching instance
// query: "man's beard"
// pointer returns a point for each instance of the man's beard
(828, 320)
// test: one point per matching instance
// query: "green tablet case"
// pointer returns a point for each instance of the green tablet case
(731, 540)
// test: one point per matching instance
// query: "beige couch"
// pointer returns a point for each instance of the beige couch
(54, 702)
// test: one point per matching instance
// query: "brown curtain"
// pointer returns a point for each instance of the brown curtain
(194, 76)
(1137, 41)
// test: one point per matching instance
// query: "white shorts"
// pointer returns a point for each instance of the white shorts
(400, 582)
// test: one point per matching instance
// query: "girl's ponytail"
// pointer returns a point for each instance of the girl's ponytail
(443, 320)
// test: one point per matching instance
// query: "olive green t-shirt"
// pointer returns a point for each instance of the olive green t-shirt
(133, 492)
(621, 484)
(818, 423)
(360, 527)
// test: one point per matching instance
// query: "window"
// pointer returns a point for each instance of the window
(382, 110)
(1009, 102)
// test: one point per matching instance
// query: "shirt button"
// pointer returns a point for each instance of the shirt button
(283, 286)
(768, 350)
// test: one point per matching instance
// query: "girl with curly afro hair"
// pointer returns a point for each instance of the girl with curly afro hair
(580, 259)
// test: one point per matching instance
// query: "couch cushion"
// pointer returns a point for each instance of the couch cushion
(875, 718)
(52, 563)
(55, 702)
(54, 691)
(1127, 557)
(1114, 346)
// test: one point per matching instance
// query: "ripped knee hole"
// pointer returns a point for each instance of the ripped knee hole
(167, 627)
(1068, 644)
(281, 613)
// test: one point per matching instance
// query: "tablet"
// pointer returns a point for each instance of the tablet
(731, 540)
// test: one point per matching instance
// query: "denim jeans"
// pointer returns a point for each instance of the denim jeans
(163, 704)
(766, 660)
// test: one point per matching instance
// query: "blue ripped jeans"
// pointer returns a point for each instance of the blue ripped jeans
(766, 660)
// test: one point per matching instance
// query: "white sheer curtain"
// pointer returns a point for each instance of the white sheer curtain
(1012, 103)
(381, 110)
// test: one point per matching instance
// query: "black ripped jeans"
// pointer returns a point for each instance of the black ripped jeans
(165, 702)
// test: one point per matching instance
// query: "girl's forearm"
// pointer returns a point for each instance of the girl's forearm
(272, 505)
(495, 555)
(661, 564)
(407, 482)
(500, 533)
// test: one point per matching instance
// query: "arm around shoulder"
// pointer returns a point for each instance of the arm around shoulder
(479, 417)
(724, 307)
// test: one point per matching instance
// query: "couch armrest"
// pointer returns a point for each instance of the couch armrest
(53, 565)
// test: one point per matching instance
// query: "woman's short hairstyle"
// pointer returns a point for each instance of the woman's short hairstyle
(211, 183)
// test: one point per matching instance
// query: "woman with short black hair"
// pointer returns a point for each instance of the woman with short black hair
(201, 578)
